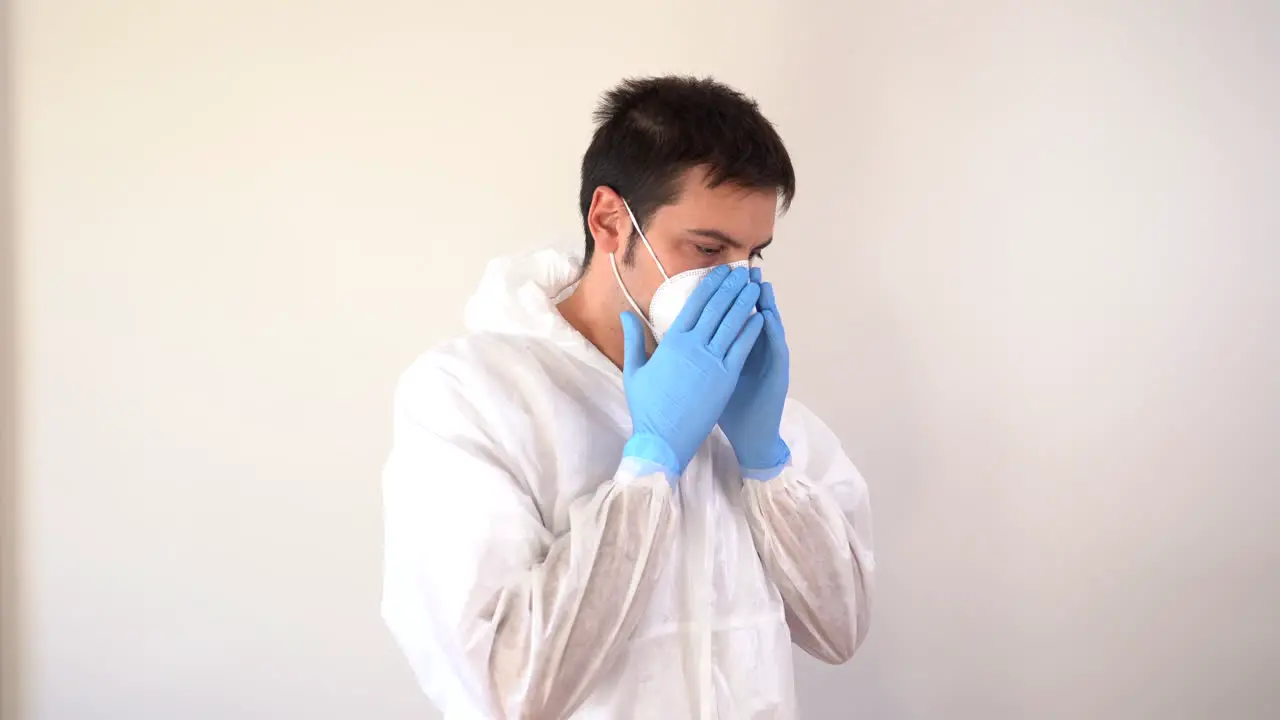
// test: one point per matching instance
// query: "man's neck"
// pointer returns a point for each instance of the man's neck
(593, 310)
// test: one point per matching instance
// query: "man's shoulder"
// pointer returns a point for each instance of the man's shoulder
(477, 352)
(801, 426)
(469, 366)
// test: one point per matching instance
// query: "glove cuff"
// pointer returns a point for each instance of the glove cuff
(768, 470)
(653, 449)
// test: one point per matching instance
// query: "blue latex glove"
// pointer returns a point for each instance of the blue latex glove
(676, 396)
(752, 419)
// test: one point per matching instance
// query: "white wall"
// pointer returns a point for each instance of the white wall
(1027, 279)
(1041, 247)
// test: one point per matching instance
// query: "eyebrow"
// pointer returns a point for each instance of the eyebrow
(727, 240)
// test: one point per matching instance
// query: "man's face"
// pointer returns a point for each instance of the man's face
(705, 227)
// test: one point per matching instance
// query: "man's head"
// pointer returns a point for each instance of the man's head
(701, 168)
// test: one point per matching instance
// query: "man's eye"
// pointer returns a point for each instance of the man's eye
(757, 254)
(708, 251)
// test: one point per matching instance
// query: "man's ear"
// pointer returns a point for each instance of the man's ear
(608, 221)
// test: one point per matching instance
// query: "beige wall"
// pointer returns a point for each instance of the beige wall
(8, 481)
(1028, 279)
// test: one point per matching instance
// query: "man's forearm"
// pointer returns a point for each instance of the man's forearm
(554, 631)
(812, 552)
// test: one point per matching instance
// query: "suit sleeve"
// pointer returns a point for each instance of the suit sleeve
(492, 610)
(812, 528)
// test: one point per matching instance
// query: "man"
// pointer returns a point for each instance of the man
(600, 503)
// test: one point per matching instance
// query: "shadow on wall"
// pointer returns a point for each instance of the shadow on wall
(832, 141)
(8, 386)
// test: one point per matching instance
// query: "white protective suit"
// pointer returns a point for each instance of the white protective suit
(530, 573)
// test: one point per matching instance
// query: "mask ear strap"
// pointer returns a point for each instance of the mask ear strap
(645, 240)
(614, 264)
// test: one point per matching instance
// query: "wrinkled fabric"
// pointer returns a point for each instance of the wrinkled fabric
(531, 573)
(813, 532)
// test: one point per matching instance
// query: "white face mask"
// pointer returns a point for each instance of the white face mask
(670, 297)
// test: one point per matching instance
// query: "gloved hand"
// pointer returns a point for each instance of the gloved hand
(676, 396)
(752, 419)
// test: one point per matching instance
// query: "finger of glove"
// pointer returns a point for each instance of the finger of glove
(734, 320)
(633, 341)
(767, 299)
(742, 346)
(773, 330)
(697, 302)
(719, 304)
(757, 275)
